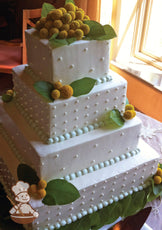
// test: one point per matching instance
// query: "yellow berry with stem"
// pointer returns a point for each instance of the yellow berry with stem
(10, 92)
(78, 34)
(71, 33)
(57, 85)
(67, 18)
(48, 24)
(63, 34)
(55, 94)
(63, 10)
(56, 14)
(86, 17)
(57, 24)
(129, 107)
(70, 6)
(85, 29)
(79, 14)
(52, 31)
(157, 179)
(74, 25)
(159, 172)
(66, 91)
(33, 189)
(42, 184)
(43, 33)
(38, 25)
(72, 13)
(65, 27)
(41, 193)
(43, 21)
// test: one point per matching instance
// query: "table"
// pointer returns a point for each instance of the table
(151, 132)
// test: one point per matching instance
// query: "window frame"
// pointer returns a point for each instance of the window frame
(140, 33)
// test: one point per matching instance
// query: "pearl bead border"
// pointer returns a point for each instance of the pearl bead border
(101, 165)
(95, 208)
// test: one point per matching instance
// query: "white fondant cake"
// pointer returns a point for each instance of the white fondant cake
(67, 63)
(105, 164)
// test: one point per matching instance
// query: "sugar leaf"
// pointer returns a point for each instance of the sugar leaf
(113, 119)
(46, 8)
(82, 86)
(60, 192)
(27, 174)
(69, 1)
(44, 88)
(96, 29)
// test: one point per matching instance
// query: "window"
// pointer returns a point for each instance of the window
(138, 46)
(149, 32)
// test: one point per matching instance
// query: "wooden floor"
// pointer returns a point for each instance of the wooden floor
(5, 82)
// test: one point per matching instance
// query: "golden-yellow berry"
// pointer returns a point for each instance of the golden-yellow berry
(80, 9)
(67, 18)
(43, 21)
(33, 189)
(57, 85)
(53, 31)
(56, 14)
(72, 13)
(43, 33)
(78, 34)
(70, 6)
(129, 114)
(71, 33)
(48, 24)
(159, 172)
(129, 107)
(85, 29)
(79, 14)
(80, 22)
(41, 193)
(57, 23)
(38, 25)
(86, 17)
(55, 94)
(10, 92)
(63, 34)
(66, 91)
(157, 179)
(75, 25)
(42, 184)
(65, 27)
(63, 10)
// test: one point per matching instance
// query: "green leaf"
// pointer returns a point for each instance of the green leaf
(160, 165)
(27, 174)
(137, 203)
(44, 88)
(157, 189)
(126, 202)
(82, 86)
(96, 29)
(7, 98)
(94, 219)
(60, 192)
(55, 43)
(113, 119)
(68, 1)
(46, 8)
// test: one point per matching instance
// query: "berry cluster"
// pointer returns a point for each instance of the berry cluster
(158, 176)
(38, 190)
(129, 112)
(66, 21)
(65, 91)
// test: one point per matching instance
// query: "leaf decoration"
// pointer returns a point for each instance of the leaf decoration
(157, 188)
(7, 98)
(46, 8)
(113, 119)
(60, 192)
(44, 88)
(27, 174)
(55, 43)
(68, 1)
(82, 86)
(98, 31)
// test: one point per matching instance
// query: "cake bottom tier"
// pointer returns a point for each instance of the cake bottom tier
(100, 189)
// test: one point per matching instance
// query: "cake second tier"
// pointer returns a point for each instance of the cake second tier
(57, 120)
